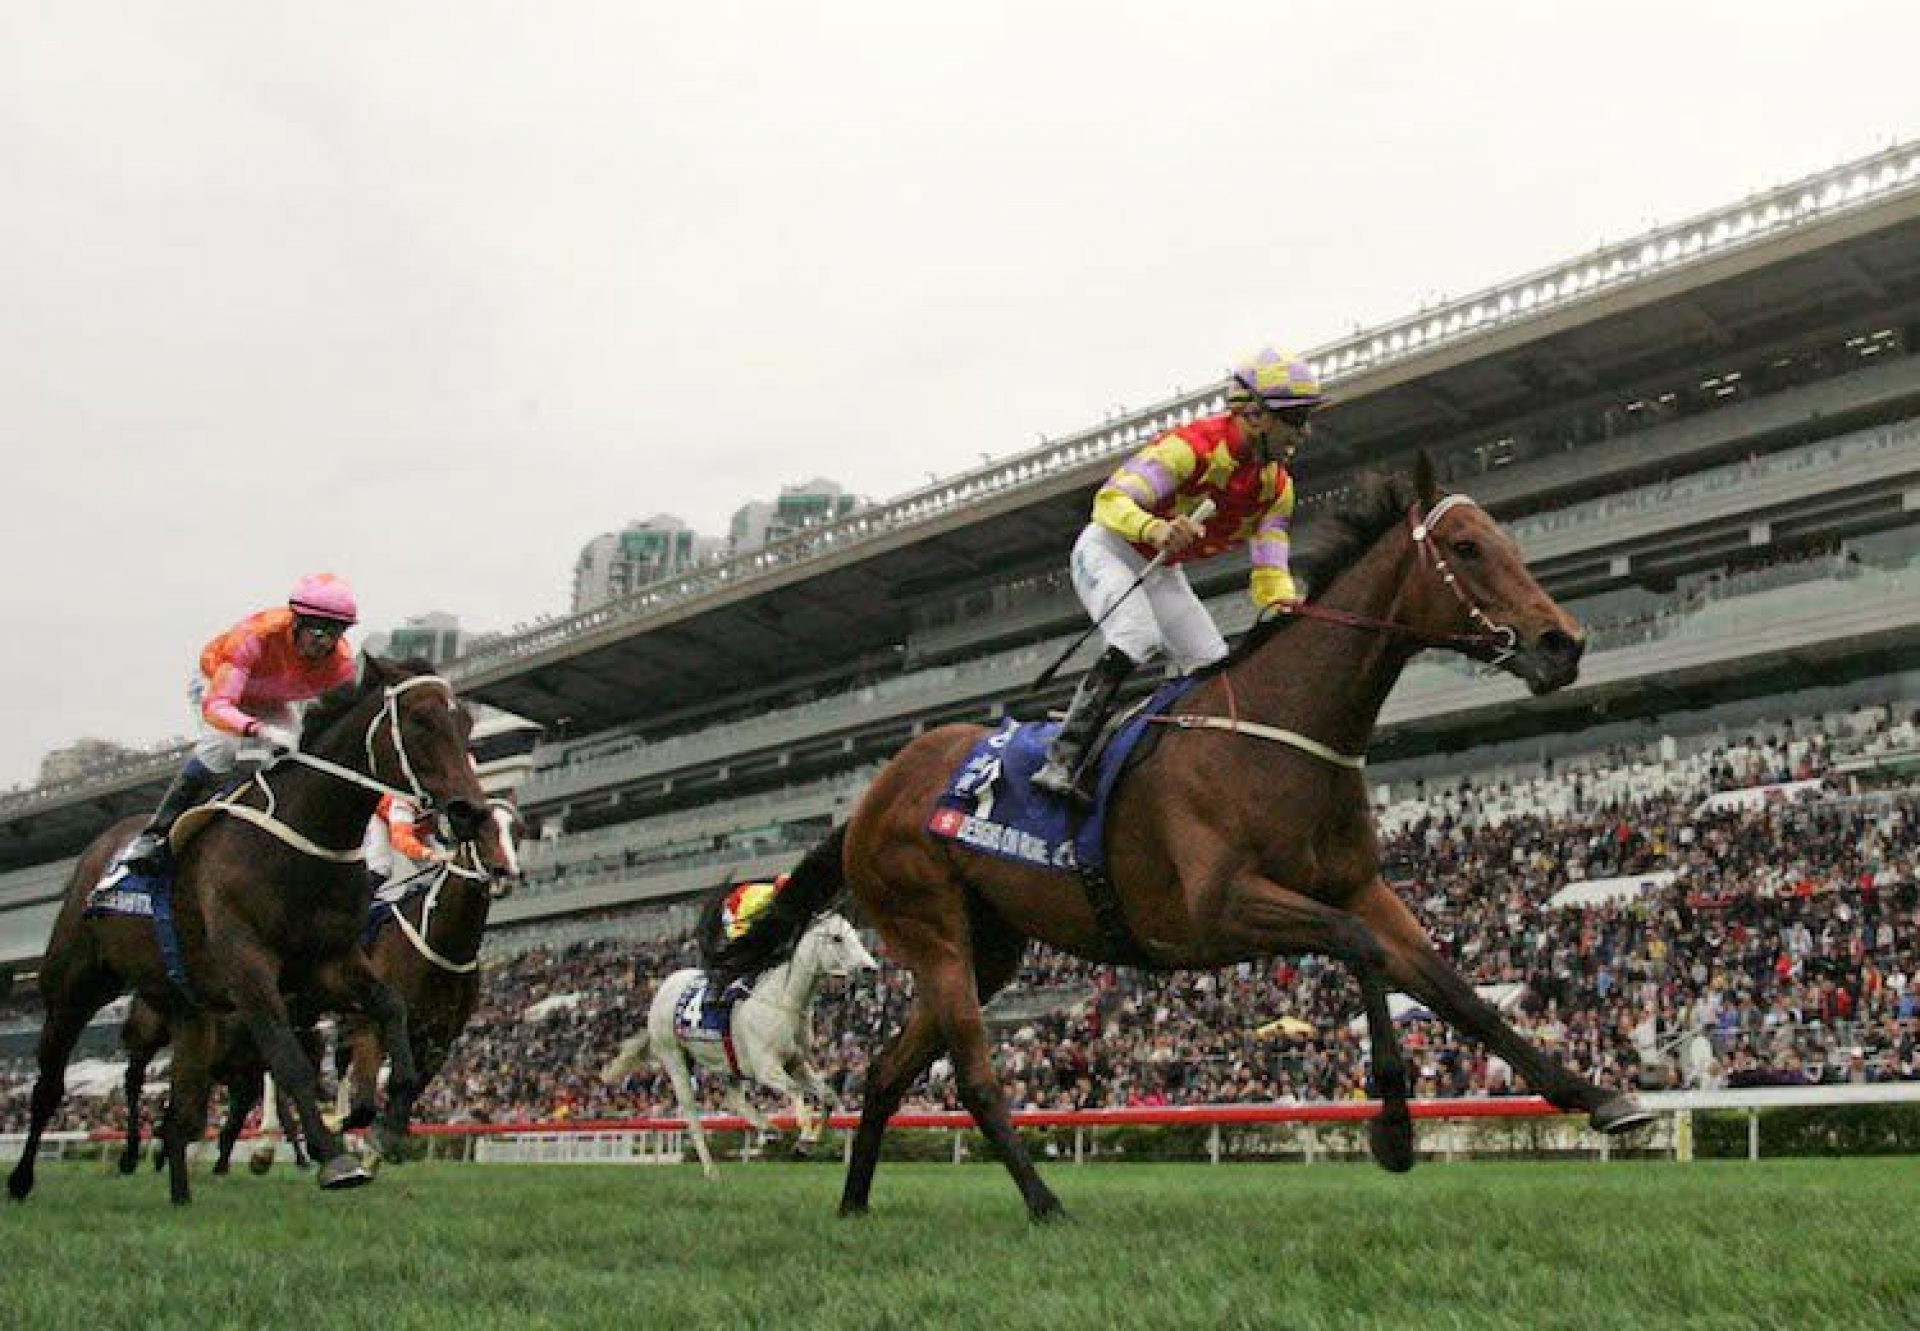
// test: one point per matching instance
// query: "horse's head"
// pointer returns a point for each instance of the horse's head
(836, 948)
(1472, 587)
(416, 742)
(498, 847)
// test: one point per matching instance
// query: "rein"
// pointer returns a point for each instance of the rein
(1495, 644)
(417, 935)
(265, 819)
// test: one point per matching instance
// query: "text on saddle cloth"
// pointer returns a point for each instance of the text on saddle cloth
(991, 804)
(123, 892)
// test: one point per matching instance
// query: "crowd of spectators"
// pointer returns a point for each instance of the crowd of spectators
(1782, 947)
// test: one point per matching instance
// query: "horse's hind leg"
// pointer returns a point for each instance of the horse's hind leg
(58, 1034)
(674, 1061)
(186, 1119)
(136, 1082)
(949, 985)
(243, 1093)
(1412, 964)
(889, 1077)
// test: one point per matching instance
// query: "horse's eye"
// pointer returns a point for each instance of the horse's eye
(1468, 550)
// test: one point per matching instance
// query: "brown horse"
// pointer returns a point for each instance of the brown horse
(428, 953)
(269, 898)
(1233, 839)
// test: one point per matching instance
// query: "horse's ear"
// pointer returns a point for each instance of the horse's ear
(374, 670)
(1424, 484)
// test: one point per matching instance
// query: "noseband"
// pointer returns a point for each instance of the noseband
(389, 714)
(1495, 644)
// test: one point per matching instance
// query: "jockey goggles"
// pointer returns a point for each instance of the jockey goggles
(331, 629)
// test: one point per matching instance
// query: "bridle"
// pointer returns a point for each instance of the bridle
(389, 715)
(1494, 644)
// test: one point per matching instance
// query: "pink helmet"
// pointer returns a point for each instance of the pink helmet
(323, 596)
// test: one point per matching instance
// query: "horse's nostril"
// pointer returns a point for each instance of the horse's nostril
(1561, 644)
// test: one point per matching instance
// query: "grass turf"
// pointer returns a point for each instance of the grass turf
(1722, 1245)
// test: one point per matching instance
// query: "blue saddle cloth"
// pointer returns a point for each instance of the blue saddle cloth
(695, 1018)
(992, 805)
(121, 891)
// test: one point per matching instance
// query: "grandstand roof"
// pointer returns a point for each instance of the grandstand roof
(1778, 268)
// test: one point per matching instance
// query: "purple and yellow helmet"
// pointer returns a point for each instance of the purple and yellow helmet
(1277, 378)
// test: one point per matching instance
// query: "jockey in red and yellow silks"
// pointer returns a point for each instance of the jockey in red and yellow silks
(1209, 459)
(1237, 461)
(249, 678)
(744, 905)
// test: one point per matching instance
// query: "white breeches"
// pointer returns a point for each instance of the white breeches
(218, 749)
(1164, 617)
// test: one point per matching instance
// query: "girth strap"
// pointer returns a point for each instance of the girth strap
(1110, 916)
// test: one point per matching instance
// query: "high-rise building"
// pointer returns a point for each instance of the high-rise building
(435, 636)
(761, 523)
(617, 563)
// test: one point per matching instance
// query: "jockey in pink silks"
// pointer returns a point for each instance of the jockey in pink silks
(249, 678)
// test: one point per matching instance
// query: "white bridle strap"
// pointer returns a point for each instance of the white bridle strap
(1422, 538)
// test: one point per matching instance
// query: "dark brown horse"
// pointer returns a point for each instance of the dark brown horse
(270, 897)
(1238, 837)
(428, 953)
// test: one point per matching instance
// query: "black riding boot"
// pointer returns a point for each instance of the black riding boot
(1066, 756)
(147, 853)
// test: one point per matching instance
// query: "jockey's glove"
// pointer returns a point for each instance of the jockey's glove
(277, 738)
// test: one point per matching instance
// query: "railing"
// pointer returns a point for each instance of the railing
(658, 1139)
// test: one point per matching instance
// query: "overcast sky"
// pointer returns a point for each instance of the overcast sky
(430, 294)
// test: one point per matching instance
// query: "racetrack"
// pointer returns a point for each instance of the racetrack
(1733, 1245)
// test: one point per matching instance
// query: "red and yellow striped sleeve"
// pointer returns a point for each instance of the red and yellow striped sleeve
(1143, 483)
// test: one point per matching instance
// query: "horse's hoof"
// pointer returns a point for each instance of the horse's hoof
(18, 1188)
(1048, 1212)
(260, 1162)
(221, 1168)
(129, 1163)
(1622, 1113)
(854, 1211)
(802, 1150)
(393, 1147)
(1390, 1138)
(344, 1171)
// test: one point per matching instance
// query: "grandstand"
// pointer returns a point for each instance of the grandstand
(1707, 440)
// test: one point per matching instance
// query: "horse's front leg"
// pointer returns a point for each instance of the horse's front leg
(350, 979)
(1262, 918)
(810, 1089)
(256, 995)
(735, 1098)
(1414, 965)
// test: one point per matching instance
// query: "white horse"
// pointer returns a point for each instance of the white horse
(770, 1033)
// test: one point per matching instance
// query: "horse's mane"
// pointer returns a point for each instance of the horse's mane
(707, 936)
(1330, 543)
(327, 710)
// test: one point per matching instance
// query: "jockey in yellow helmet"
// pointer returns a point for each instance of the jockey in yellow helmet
(1238, 461)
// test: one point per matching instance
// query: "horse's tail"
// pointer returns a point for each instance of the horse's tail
(811, 888)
